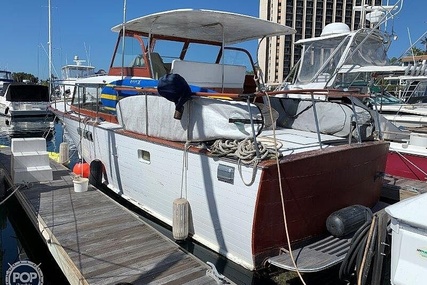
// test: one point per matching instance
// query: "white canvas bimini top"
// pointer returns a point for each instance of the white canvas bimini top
(206, 25)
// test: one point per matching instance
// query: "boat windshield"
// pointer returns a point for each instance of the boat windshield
(27, 93)
(77, 71)
(367, 50)
(421, 89)
(6, 75)
(384, 99)
(170, 50)
(415, 95)
(320, 59)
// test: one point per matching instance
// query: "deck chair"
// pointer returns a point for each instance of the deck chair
(138, 61)
(157, 65)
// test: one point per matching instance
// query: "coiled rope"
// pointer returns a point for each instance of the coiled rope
(245, 152)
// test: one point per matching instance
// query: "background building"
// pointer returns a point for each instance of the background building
(278, 55)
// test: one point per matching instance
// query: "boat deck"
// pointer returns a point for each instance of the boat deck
(95, 240)
(319, 253)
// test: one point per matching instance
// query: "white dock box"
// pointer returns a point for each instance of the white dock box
(409, 241)
(30, 160)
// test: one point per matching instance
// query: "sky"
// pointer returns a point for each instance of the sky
(83, 28)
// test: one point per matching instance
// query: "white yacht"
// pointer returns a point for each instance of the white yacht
(24, 99)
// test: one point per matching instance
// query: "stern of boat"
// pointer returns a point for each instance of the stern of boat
(314, 185)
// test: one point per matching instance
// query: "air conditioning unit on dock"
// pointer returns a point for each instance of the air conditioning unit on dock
(409, 241)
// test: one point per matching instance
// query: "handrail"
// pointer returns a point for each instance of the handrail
(335, 93)
(326, 92)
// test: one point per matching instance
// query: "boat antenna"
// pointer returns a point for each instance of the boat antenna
(123, 37)
(362, 15)
(87, 53)
(411, 45)
(49, 43)
(50, 60)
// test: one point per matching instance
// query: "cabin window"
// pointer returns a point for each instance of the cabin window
(88, 96)
(77, 72)
(143, 156)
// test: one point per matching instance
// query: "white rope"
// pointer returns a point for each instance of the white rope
(254, 167)
(282, 198)
(244, 150)
(184, 170)
(11, 194)
(410, 162)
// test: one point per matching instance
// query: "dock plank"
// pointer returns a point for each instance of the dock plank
(95, 240)
(399, 188)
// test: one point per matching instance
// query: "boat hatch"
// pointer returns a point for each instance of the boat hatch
(315, 256)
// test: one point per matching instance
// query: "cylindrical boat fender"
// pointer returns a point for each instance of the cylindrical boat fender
(348, 220)
(180, 219)
(95, 173)
(64, 153)
(6, 110)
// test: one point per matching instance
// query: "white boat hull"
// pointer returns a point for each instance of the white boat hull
(143, 183)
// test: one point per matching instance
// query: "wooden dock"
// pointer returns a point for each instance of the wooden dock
(398, 188)
(95, 240)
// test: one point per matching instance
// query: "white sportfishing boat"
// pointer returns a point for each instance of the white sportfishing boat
(408, 152)
(408, 108)
(71, 72)
(188, 135)
(340, 58)
(401, 113)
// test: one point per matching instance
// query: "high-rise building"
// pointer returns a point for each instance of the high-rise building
(277, 55)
